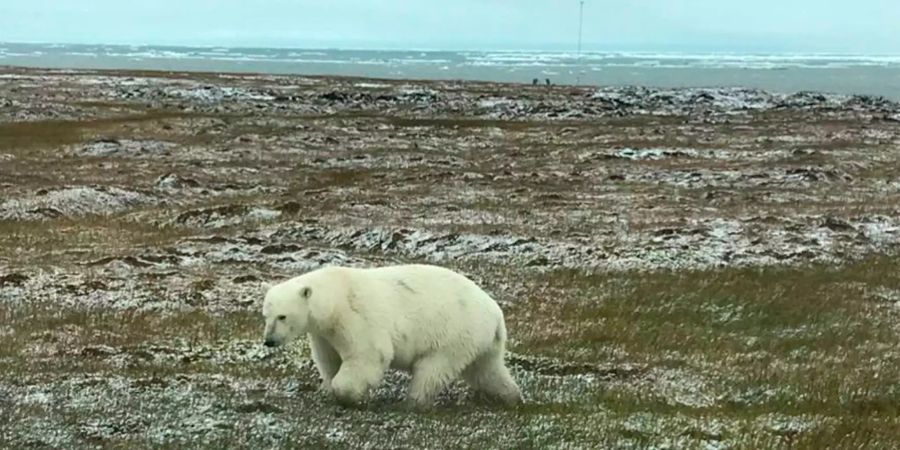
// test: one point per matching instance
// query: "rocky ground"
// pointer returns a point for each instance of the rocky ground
(699, 268)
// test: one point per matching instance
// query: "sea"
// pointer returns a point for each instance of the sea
(877, 75)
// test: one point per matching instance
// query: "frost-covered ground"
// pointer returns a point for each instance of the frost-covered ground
(699, 268)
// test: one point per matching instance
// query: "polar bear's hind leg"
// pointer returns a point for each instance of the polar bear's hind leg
(430, 376)
(490, 376)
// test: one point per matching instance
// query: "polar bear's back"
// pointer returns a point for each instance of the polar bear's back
(428, 284)
(429, 308)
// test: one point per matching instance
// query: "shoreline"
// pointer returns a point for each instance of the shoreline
(850, 80)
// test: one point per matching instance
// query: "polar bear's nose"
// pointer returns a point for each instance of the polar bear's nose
(269, 343)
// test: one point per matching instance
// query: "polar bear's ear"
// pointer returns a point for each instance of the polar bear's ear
(305, 292)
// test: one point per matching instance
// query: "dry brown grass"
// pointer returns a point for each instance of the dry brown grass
(801, 344)
(77, 240)
(815, 336)
(815, 346)
(25, 136)
(53, 342)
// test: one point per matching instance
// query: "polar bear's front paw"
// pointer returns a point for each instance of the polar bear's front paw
(325, 388)
(347, 393)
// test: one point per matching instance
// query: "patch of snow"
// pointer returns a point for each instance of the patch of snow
(371, 85)
(37, 398)
(679, 387)
(125, 147)
(494, 102)
(786, 424)
(881, 230)
(654, 153)
(72, 202)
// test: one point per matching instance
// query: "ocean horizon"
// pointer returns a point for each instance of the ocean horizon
(875, 74)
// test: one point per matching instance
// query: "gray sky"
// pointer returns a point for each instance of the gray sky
(860, 26)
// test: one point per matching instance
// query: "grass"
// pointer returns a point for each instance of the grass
(743, 348)
(39, 243)
(59, 133)
(801, 357)
(799, 341)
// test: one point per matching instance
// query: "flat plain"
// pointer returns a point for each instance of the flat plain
(695, 268)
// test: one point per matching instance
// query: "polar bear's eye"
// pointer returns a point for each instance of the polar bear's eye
(281, 317)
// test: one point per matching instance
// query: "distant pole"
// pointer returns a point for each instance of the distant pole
(580, 23)
(580, 26)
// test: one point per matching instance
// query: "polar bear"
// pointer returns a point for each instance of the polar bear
(427, 320)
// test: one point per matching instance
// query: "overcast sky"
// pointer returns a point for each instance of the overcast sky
(858, 26)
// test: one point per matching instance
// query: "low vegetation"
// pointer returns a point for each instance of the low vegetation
(671, 278)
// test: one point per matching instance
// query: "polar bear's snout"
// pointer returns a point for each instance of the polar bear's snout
(268, 338)
(285, 312)
(273, 338)
(276, 332)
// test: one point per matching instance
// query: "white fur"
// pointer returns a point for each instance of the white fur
(433, 322)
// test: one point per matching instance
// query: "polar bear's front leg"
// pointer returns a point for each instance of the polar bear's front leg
(327, 360)
(354, 379)
(365, 352)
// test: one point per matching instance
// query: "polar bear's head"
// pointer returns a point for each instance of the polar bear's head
(286, 312)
